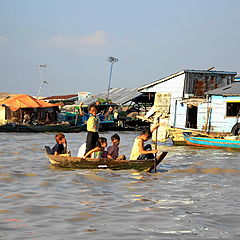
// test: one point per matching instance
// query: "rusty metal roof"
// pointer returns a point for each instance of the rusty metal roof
(61, 97)
(182, 72)
(229, 90)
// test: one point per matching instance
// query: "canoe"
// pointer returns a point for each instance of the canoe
(211, 142)
(91, 163)
(41, 128)
(66, 128)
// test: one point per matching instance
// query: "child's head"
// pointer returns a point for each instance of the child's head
(93, 110)
(102, 142)
(115, 139)
(146, 135)
(60, 138)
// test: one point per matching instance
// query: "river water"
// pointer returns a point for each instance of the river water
(194, 194)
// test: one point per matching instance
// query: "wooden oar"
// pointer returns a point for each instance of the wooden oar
(155, 162)
(158, 160)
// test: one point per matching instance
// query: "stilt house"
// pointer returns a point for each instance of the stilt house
(187, 90)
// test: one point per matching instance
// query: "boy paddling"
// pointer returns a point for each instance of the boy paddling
(139, 151)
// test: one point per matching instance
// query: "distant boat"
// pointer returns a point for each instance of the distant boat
(12, 127)
(91, 163)
(59, 127)
(209, 142)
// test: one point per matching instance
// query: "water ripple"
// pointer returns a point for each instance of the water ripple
(193, 195)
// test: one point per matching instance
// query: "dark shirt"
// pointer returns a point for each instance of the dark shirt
(59, 148)
(113, 151)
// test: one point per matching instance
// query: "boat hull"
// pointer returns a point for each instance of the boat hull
(211, 142)
(90, 163)
(58, 128)
(41, 128)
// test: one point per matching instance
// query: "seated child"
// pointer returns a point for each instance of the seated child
(138, 149)
(81, 150)
(61, 145)
(98, 151)
(114, 149)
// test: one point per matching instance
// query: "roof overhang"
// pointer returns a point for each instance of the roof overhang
(194, 101)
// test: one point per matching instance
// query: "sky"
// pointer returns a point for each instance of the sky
(151, 38)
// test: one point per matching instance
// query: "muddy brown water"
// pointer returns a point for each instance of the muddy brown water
(194, 194)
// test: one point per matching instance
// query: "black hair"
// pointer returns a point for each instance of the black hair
(147, 133)
(92, 105)
(115, 136)
(100, 141)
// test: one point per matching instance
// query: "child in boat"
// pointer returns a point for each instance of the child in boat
(81, 150)
(92, 129)
(139, 151)
(98, 151)
(113, 151)
(61, 144)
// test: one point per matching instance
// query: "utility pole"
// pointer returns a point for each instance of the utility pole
(112, 60)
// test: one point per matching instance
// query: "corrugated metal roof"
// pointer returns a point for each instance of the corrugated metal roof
(231, 89)
(182, 72)
(117, 95)
(210, 72)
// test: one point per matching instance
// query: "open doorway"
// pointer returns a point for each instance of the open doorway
(191, 119)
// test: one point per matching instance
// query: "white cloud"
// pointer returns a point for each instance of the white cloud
(98, 39)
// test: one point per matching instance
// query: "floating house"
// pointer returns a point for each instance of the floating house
(23, 108)
(187, 90)
(223, 110)
(128, 104)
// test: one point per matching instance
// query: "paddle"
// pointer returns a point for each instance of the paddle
(155, 162)
(158, 160)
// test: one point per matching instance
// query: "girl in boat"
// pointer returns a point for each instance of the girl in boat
(99, 150)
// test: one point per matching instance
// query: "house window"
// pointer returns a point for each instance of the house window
(233, 109)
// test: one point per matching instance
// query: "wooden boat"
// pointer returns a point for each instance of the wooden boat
(41, 128)
(66, 128)
(211, 142)
(91, 163)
